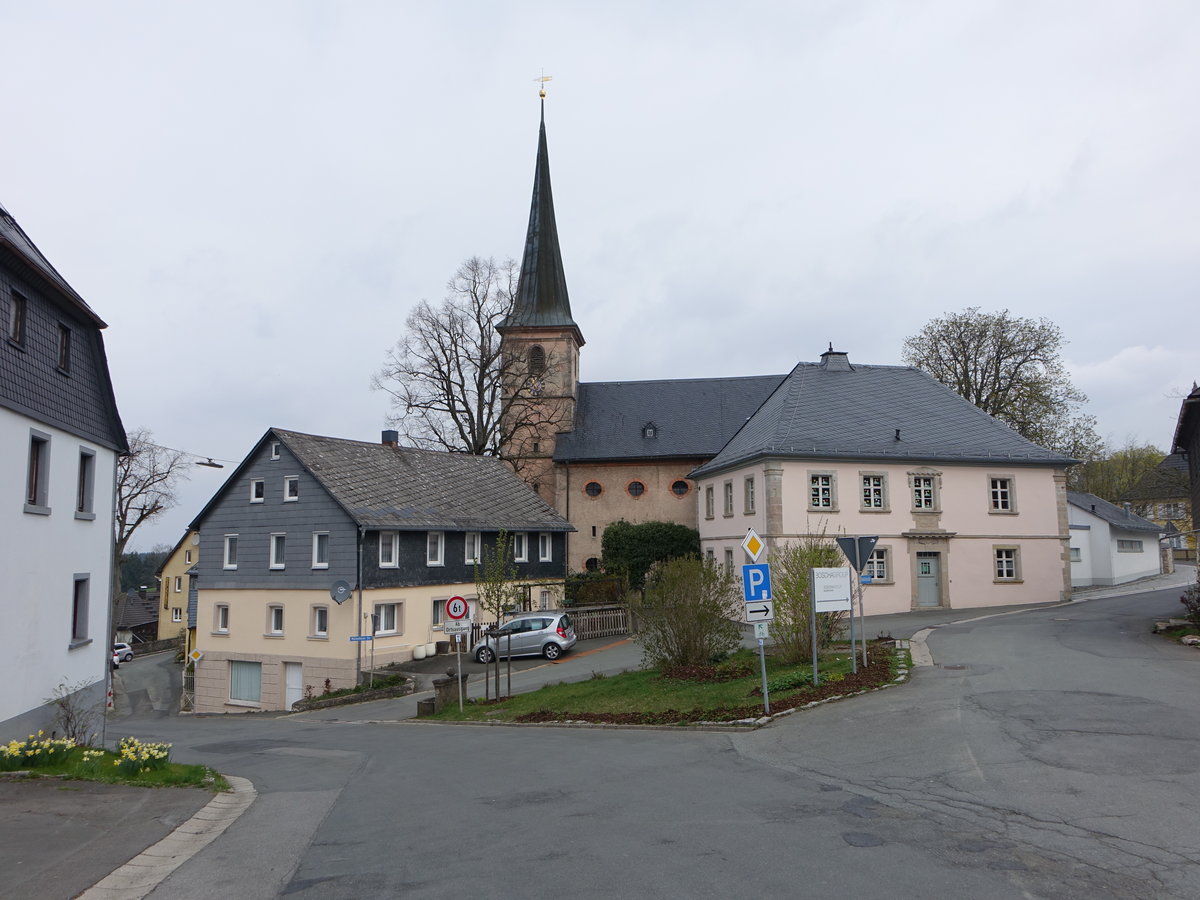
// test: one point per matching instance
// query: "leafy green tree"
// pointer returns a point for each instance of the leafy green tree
(1011, 368)
(631, 550)
(139, 568)
(496, 578)
(688, 613)
(791, 587)
(1114, 474)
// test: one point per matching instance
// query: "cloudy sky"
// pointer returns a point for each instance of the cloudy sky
(254, 194)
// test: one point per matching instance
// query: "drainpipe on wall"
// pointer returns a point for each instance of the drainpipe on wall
(362, 536)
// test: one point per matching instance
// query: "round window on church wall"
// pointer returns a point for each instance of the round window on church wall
(593, 489)
(636, 489)
(592, 564)
(680, 488)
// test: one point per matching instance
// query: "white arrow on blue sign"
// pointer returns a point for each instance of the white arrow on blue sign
(756, 582)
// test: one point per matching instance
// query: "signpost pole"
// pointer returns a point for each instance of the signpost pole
(853, 643)
(862, 621)
(458, 667)
(813, 615)
(762, 658)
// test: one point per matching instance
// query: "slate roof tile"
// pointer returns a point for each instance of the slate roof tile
(1111, 513)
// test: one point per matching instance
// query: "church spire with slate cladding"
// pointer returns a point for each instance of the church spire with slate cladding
(542, 300)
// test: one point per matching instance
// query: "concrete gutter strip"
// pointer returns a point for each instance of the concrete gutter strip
(146, 871)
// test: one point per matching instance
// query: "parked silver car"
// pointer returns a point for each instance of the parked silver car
(548, 633)
(124, 652)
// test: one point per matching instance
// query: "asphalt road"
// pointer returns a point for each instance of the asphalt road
(1051, 753)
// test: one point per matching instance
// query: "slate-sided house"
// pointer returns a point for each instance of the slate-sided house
(402, 527)
(60, 435)
(1163, 496)
(1110, 544)
(968, 512)
(1187, 443)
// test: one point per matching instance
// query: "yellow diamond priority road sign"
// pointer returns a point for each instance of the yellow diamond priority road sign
(753, 545)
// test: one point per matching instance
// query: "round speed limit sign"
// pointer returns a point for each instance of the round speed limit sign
(457, 608)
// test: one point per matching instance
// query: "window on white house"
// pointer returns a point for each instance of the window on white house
(727, 508)
(728, 560)
(1002, 495)
(37, 479)
(923, 488)
(79, 609)
(320, 621)
(221, 621)
(278, 550)
(545, 547)
(231, 551)
(86, 488)
(877, 565)
(320, 550)
(471, 548)
(1129, 546)
(291, 488)
(435, 546)
(710, 555)
(1076, 554)
(258, 490)
(275, 619)
(387, 618)
(820, 491)
(245, 681)
(176, 613)
(748, 495)
(520, 547)
(1006, 564)
(708, 502)
(389, 549)
(873, 496)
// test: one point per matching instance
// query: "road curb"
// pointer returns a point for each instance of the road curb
(146, 871)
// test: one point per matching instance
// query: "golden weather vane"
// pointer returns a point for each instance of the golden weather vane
(541, 80)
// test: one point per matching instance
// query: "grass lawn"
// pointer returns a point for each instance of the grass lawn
(724, 693)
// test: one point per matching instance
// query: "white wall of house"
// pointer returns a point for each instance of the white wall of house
(1109, 555)
(963, 529)
(42, 557)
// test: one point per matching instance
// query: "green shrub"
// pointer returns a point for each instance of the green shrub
(688, 615)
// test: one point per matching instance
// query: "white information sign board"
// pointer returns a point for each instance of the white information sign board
(831, 589)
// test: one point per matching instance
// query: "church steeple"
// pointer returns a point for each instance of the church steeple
(542, 300)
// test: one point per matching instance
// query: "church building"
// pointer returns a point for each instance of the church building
(968, 512)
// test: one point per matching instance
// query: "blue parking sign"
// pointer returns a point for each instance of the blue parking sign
(756, 582)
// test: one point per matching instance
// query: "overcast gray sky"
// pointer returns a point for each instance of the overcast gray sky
(254, 194)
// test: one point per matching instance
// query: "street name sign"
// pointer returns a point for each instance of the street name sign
(362, 637)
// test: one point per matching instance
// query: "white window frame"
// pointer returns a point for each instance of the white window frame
(320, 612)
(80, 607)
(317, 563)
(279, 550)
(1002, 494)
(221, 618)
(176, 614)
(879, 565)
(246, 680)
(874, 493)
(288, 482)
(392, 540)
(397, 616)
(545, 547)
(918, 498)
(1076, 554)
(822, 491)
(274, 620)
(231, 559)
(471, 545)
(727, 499)
(187, 557)
(1006, 565)
(1130, 546)
(178, 585)
(274, 449)
(748, 498)
(520, 546)
(435, 548)
(258, 483)
(709, 502)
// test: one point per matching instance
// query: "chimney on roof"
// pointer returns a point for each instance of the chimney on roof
(390, 438)
(835, 361)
